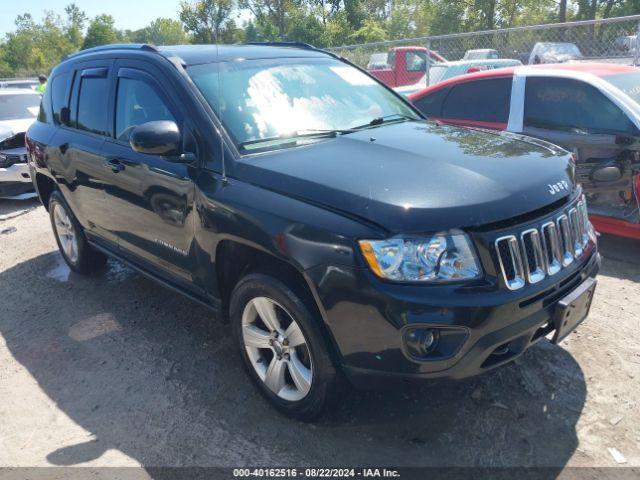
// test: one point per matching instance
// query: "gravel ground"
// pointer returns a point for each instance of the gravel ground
(114, 370)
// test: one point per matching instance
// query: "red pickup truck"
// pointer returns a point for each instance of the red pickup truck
(403, 66)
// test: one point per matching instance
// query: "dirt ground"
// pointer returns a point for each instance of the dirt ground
(114, 370)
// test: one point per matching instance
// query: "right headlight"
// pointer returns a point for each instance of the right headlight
(442, 257)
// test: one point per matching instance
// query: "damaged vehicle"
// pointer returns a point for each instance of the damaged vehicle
(18, 110)
(590, 109)
(339, 233)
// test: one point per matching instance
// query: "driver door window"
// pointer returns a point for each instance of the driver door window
(570, 105)
(137, 103)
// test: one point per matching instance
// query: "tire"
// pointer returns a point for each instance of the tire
(73, 245)
(305, 372)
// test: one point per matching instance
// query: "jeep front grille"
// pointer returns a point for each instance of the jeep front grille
(543, 251)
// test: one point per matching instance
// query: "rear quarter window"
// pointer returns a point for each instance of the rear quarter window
(431, 105)
(485, 100)
(59, 91)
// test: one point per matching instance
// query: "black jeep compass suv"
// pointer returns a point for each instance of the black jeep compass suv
(339, 232)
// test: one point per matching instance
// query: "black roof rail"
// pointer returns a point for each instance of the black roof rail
(115, 46)
(303, 45)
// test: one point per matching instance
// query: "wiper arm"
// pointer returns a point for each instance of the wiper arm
(310, 133)
(393, 117)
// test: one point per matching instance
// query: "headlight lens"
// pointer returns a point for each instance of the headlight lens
(441, 257)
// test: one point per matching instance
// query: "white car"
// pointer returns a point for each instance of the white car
(554, 52)
(18, 110)
(481, 54)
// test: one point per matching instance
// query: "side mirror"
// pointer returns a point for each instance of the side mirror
(161, 137)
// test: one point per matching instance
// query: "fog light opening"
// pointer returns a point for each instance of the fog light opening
(501, 350)
(421, 342)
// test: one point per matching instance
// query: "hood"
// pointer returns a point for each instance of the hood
(12, 127)
(417, 177)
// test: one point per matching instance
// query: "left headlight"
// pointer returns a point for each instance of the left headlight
(442, 257)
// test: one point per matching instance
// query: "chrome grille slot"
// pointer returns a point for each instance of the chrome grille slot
(584, 214)
(577, 228)
(551, 246)
(510, 262)
(566, 240)
(533, 255)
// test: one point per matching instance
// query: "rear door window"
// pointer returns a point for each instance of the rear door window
(571, 105)
(93, 101)
(483, 100)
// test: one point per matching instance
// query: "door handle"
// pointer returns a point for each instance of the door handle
(114, 165)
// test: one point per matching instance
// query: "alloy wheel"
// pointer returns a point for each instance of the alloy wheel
(277, 349)
(66, 233)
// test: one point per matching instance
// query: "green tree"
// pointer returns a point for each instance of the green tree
(206, 19)
(251, 33)
(338, 30)
(162, 31)
(371, 31)
(273, 16)
(101, 31)
(35, 47)
(76, 20)
(307, 28)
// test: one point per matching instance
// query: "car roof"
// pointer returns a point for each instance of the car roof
(195, 54)
(597, 69)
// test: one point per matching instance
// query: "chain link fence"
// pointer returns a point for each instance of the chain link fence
(403, 63)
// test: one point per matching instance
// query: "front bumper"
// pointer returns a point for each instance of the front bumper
(367, 318)
(15, 180)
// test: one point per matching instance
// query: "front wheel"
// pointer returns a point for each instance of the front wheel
(73, 245)
(282, 347)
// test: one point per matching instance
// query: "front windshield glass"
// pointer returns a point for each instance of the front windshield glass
(562, 49)
(14, 107)
(629, 83)
(272, 100)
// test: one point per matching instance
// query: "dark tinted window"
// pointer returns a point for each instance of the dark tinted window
(45, 114)
(93, 103)
(137, 103)
(431, 105)
(59, 88)
(566, 104)
(482, 100)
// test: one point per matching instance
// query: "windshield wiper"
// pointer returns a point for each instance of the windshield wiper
(392, 118)
(310, 133)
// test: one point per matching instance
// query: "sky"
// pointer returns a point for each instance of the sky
(129, 14)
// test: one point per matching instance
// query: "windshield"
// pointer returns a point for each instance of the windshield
(14, 107)
(561, 49)
(629, 83)
(275, 99)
